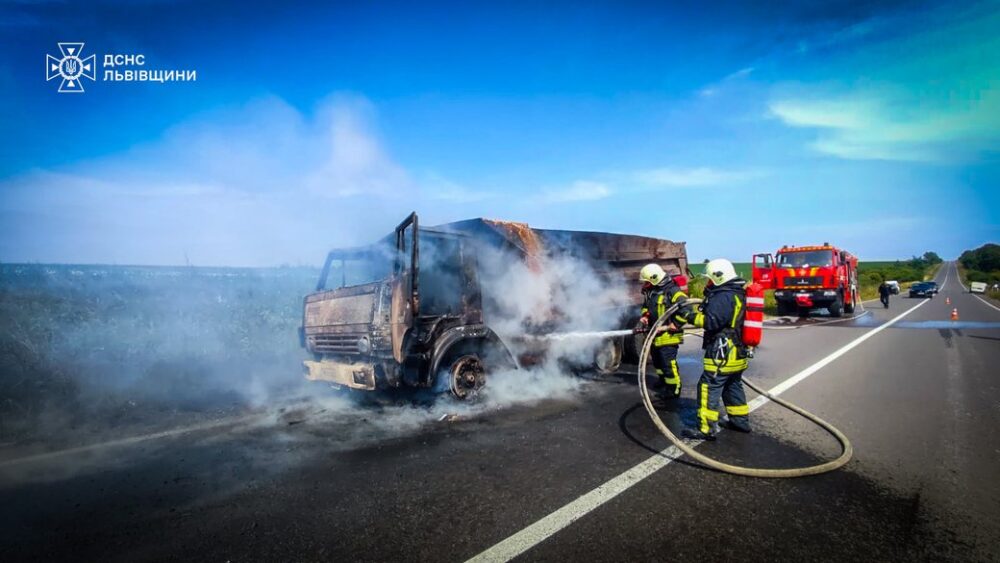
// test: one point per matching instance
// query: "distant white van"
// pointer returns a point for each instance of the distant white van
(977, 287)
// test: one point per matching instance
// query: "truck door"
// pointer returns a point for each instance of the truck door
(405, 283)
(763, 270)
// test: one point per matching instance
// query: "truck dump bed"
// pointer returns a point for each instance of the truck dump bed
(608, 253)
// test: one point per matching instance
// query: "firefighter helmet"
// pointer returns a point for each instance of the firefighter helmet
(720, 271)
(652, 273)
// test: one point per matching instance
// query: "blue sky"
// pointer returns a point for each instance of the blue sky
(311, 125)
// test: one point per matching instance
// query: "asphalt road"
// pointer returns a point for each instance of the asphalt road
(578, 477)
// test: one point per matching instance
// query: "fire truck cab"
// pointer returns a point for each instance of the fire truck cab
(809, 277)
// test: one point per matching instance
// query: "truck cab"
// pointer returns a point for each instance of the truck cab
(379, 320)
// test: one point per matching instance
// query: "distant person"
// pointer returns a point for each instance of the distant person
(884, 291)
(660, 292)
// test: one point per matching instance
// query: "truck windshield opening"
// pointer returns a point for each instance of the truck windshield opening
(358, 266)
(806, 259)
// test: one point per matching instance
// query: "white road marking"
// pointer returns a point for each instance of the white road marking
(132, 440)
(985, 301)
(959, 278)
(541, 530)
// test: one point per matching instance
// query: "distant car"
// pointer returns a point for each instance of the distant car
(977, 287)
(923, 289)
(893, 287)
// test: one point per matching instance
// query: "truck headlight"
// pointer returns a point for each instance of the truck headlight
(829, 293)
(364, 345)
(779, 293)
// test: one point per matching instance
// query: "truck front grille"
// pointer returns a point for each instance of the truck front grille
(799, 281)
(335, 343)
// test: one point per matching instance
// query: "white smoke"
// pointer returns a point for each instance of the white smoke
(542, 296)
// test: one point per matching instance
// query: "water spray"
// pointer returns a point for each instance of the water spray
(582, 335)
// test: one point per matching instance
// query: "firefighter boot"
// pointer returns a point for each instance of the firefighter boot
(737, 426)
(693, 434)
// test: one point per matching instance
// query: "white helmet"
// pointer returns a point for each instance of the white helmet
(652, 273)
(720, 271)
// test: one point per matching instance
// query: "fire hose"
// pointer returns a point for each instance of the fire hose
(848, 449)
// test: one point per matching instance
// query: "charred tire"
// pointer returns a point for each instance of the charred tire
(632, 344)
(608, 356)
(466, 376)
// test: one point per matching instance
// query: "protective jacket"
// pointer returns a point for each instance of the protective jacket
(721, 315)
(656, 301)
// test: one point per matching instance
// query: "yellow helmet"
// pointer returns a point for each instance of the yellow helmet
(652, 273)
(720, 271)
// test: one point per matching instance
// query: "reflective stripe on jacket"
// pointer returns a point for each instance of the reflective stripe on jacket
(657, 300)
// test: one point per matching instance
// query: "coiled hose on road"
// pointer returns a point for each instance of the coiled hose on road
(726, 467)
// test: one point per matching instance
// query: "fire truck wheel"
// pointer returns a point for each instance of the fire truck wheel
(849, 307)
(837, 307)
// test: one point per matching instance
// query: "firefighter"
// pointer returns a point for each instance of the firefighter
(721, 315)
(660, 292)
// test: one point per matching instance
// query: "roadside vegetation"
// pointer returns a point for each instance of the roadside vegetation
(981, 265)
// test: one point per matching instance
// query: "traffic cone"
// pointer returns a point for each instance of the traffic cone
(954, 314)
(947, 300)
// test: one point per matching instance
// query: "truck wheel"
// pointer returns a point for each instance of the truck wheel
(467, 376)
(837, 307)
(608, 356)
(632, 344)
(849, 307)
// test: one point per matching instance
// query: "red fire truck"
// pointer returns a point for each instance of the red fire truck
(809, 277)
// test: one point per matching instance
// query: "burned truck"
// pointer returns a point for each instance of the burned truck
(411, 311)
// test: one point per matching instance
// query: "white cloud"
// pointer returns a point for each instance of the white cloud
(692, 177)
(436, 187)
(883, 125)
(929, 94)
(581, 190)
(713, 89)
(356, 162)
(261, 184)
